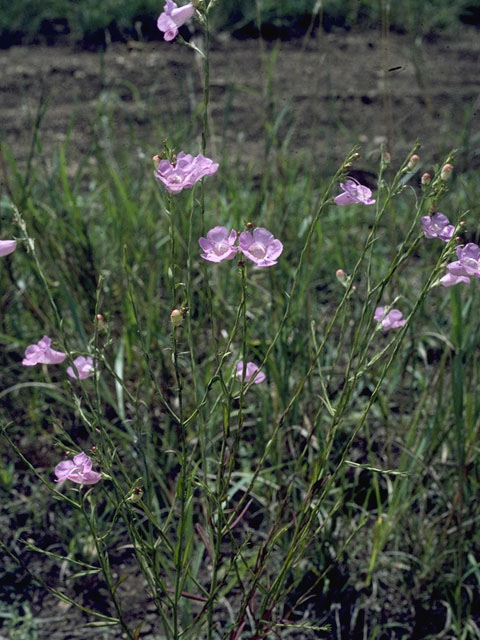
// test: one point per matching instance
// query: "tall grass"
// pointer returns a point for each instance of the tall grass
(335, 498)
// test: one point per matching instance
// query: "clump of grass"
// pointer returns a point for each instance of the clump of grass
(336, 497)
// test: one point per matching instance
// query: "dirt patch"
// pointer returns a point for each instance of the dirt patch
(323, 95)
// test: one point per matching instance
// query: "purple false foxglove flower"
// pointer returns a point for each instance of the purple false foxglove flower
(391, 320)
(7, 246)
(78, 470)
(437, 226)
(260, 247)
(184, 172)
(469, 258)
(41, 353)
(218, 245)
(354, 193)
(172, 18)
(84, 367)
(467, 266)
(449, 279)
(250, 369)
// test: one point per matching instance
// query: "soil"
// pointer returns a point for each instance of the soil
(324, 94)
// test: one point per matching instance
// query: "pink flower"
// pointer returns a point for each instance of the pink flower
(41, 353)
(469, 258)
(354, 193)
(7, 246)
(260, 247)
(184, 172)
(437, 226)
(84, 367)
(448, 280)
(172, 18)
(78, 470)
(391, 320)
(219, 245)
(467, 266)
(250, 369)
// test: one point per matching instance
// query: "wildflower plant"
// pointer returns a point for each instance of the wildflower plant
(226, 494)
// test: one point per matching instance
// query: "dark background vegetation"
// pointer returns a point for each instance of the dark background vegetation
(92, 22)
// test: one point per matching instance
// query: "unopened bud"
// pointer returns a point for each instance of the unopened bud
(342, 277)
(413, 161)
(136, 495)
(100, 321)
(446, 172)
(156, 160)
(176, 317)
(426, 179)
(356, 156)
(387, 158)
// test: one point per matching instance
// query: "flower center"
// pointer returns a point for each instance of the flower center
(257, 250)
(175, 178)
(222, 247)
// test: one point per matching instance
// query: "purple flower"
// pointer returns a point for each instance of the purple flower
(469, 258)
(78, 470)
(184, 172)
(172, 18)
(250, 369)
(449, 279)
(354, 193)
(84, 367)
(437, 226)
(260, 247)
(218, 245)
(467, 265)
(391, 320)
(41, 353)
(7, 246)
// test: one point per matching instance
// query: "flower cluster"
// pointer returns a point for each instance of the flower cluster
(392, 319)
(172, 18)
(354, 193)
(78, 470)
(466, 267)
(7, 246)
(259, 246)
(42, 353)
(184, 172)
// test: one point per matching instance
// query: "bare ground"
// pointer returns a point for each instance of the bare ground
(325, 94)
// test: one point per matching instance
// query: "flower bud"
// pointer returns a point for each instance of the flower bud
(176, 317)
(136, 495)
(413, 161)
(342, 277)
(387, 158)
(356, 156)
(426, 179)
(156, 160)
(446, 172)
